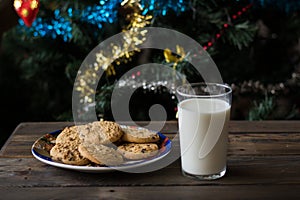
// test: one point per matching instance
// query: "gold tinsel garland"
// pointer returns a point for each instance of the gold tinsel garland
(118, 54)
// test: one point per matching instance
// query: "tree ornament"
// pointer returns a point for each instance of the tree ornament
(27, 10)
(171, 58)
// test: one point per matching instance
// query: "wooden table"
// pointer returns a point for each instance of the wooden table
(263, 163)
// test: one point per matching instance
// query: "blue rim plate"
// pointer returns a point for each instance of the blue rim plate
(43, 155)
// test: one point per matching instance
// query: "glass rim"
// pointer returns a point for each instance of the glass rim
(221, 85)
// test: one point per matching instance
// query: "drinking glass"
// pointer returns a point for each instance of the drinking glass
(203, 116)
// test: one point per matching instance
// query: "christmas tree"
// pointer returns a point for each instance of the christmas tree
(254, 44)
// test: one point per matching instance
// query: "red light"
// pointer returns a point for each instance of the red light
(138, 73)
(225, 26)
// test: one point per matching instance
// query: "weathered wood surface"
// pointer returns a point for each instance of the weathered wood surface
(26, 172)
(243, 139)
(155, 192)
(263, 163)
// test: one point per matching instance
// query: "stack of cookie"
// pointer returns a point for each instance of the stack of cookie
(139, 143)
(103, 143)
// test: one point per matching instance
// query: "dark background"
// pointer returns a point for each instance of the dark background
(42, 89)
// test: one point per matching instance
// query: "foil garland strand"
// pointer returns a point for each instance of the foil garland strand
(61, 25)
(118, 53)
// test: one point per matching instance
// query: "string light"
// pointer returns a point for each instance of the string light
(161, 7)
(225, 26)
(105, 11)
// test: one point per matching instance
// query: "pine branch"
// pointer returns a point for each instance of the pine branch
(240, 35)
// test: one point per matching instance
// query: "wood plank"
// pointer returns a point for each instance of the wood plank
(36, 129)
(247, 170)
(158, 192)
(172, 126)
(32, 131)
(239, 144)
(264, 126)
(40, 127)
(264, 144)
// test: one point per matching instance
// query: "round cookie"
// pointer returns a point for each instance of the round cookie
(101, 154)
(68, 153)
(70, 133)
(111, 130)
(139, 135)
(66, 148)
(133, 151)
(101, 132)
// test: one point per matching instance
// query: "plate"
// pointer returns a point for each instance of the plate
(40, 153)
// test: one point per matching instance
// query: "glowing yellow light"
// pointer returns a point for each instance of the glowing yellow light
(24, 12)
(17, 4)
(34, 4)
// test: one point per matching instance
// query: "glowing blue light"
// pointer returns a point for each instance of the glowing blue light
(70, 12)
(161, 7)
(164, 12)
(21, 22)
(56, 12)
(145, 11)
(106, 11)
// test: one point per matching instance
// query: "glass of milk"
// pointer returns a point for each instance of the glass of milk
(203, 116)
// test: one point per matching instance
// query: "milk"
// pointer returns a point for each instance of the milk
(203, 132)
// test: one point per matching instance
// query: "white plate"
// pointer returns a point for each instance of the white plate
(43, 155)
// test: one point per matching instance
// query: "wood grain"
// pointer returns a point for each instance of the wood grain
(154, 192)
(248, 170)
(263, 163)
(240, 143)
(264, 126)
